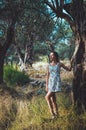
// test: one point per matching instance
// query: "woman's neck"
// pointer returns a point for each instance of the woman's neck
(54, 62)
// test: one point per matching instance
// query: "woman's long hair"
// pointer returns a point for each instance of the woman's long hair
(56, 55)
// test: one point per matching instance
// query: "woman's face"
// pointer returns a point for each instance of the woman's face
(52, 56)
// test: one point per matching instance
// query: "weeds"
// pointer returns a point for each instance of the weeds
(33, 114)
(14, 77)
(21, 114)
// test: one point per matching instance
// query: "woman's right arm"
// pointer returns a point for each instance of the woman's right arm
(47, 78)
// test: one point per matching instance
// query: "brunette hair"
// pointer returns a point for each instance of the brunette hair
(56, 55)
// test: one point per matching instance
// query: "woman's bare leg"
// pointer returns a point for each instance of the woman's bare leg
(55, 107)
(49, 102)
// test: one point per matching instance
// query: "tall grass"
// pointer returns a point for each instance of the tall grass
(23, 114)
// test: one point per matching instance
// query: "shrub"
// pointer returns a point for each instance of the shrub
(13, 77)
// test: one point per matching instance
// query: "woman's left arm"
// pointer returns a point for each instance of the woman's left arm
(65, 67)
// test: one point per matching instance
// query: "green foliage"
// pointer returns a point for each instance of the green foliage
(13, 77)
(65, 50)
(40, 49)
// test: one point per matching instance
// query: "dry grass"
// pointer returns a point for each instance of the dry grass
(67, 76)
(35, 115)
(24, 114)
(20, 113)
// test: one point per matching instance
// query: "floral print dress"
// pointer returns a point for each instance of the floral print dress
(54, 83)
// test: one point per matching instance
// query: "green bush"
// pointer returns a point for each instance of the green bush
(14, 77)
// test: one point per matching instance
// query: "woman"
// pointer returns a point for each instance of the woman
(53, 82)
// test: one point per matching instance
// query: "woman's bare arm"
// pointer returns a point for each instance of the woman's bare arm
(65, 67)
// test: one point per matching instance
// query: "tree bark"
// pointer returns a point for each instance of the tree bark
(29, 51)
(4, 48)
(79, 81)
(1, 68)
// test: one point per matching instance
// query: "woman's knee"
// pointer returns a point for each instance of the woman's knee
(47, 97)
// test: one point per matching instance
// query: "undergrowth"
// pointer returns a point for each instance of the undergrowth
(15, 77)
(24, 114)
(21, 113)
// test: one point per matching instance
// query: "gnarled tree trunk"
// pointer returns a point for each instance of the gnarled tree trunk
(25, 58)
(4, 48)
(79, 69)
(29, 50)
(1, 67)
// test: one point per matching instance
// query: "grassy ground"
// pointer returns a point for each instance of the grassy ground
(18, 112)
(23, 114)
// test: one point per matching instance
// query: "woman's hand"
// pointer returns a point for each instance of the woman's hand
(70, 68)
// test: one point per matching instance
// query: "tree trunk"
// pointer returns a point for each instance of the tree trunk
(79, 81)
(26, 58)
(1, 68)
(29, 51)
(4, 48)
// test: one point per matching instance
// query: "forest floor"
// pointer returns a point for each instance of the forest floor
(23, 108)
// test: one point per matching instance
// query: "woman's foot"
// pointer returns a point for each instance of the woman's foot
(53, 116)
(56, 114)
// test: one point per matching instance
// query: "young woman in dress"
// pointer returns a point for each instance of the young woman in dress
(53, 82)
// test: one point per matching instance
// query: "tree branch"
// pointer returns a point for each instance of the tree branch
(19, 53)
(59, 13)
(53, 3)
(10, 36)
(57, 4)
(67, 17)
(51, 6)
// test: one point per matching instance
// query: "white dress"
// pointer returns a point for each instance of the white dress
(54, 83)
